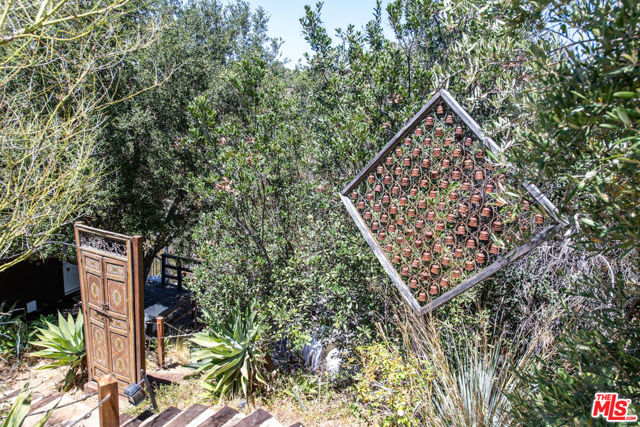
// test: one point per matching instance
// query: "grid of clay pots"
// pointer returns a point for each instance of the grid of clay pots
(434, 206)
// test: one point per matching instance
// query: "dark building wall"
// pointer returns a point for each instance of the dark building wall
(33, 280)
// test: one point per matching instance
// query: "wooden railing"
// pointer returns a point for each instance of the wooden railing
(180, 268)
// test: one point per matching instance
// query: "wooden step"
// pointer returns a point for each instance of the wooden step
(220, 417)
(255, 419)
(234, 420)
(162, 418)
(187, 416)
(43, 401)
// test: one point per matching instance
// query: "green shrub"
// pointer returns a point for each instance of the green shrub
(230, 357)
(64, 344)
(13, 332)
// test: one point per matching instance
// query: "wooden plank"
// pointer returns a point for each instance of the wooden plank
(138, 307)
(83, 297)
(42, 402)
(187, 416)
(379, 253)
(256, 418)
(108, 412)
(162, 418)
(220, 417)
(493, 268)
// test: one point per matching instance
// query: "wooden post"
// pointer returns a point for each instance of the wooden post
(138, 298)
(179, 263)
(162, 273)
(109, 411)
(160, 330)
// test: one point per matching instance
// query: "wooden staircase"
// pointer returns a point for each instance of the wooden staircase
(203, 416)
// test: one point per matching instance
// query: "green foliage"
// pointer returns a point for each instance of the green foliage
(230, 356)
(597, 352)
(64, 344)
(20, 409)
(13, 332)
(387, 384)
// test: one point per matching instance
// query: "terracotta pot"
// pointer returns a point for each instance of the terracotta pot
(485, 212)
(404, 181)
(471, 244)
(440, 109)
(468, 164)
(415, 263)
(400, 221)
(397, 170)
(415, 172)
(468, 265)
(475, 199)
(395, 189)
(378, 188)
(384, 218)
(526, 205)
(388, 247)
(453, 197)
(428, 235)
(422, 204)
(424, 276)
(413, 192)
(375, 225)
(481, 258)
(449, 119)
(393, 209)
(369, 197)
(461, 230)
(437, 248)
(447, 142)
(448, 240)
(389, 160)
(420, 224)
(392, 228)
(433, 194)
(405, 271)
(367, 215)
(466, 186)
(406, 161)
(456, 274)
(444, 282)
(435, 268)
(438, 131)
(451, 218)
(386, 199)
(444, 184)
(422, 297)
(538, 219)
(416, 152)
(376, 207)
(462, 208)
(456, 152)
(360, 205)
(411, 212)
(446, 163)
(473, 221)
(372, 178)
(478, 175)
(440, 226)
(455, 175)
(484, 235)
(458, 130)
(382, 235)
(468, 142)
(442, 206)
(418, 243)
(488, 188)
(446, 261)
(413, 283)
(497, 226)
(431, 215)
(426, 256)
(479, 154)
(494, 249)
(427, 142)
(395, 259)
(458, 253)
(354, 195)
(424, 183)
(433, 290)
(406, 252)
(437, 151)
(403, 201)
(425, 163)
(398, 151)
(407, 141)
(429, 121)
(419, 132)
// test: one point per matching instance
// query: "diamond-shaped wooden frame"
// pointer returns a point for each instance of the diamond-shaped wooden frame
(443, 97)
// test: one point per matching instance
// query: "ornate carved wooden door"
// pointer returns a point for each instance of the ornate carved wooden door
(111, 286)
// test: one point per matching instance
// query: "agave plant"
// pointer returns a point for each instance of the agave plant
(64, 343)
(229, 356)
(20, 409)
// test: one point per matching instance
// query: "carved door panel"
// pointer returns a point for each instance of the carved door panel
(112, 304)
